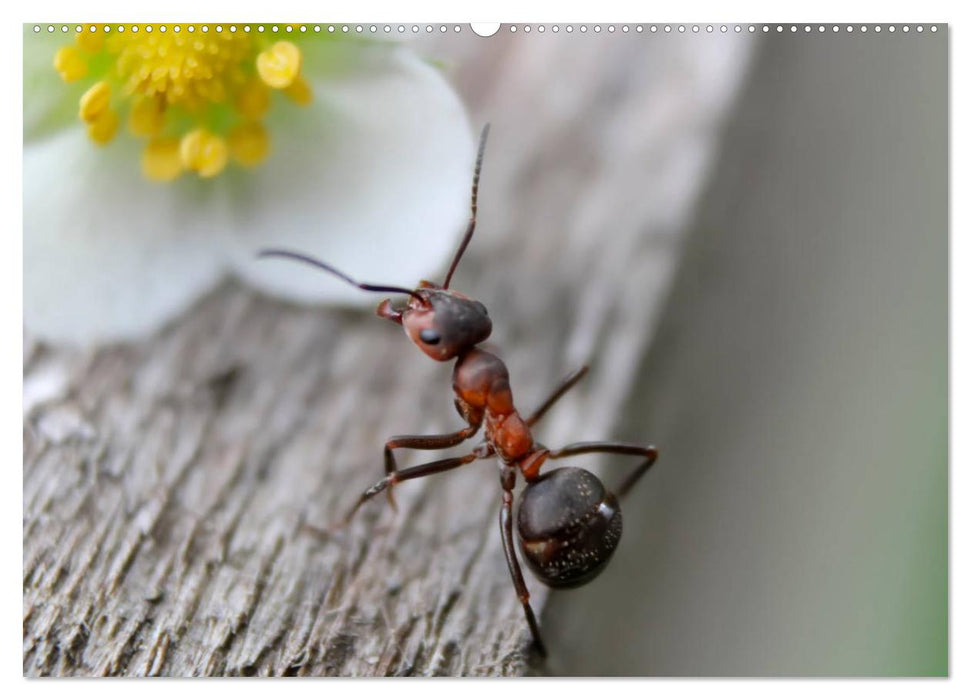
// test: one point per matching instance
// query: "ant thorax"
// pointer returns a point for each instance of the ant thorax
(481, 381)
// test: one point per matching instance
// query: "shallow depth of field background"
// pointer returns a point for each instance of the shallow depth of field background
(797, 522)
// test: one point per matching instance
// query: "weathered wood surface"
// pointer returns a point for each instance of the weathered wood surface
(165, 482)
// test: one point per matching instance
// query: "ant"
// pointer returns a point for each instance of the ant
(568, 524)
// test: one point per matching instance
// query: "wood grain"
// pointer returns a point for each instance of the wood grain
(166, 482)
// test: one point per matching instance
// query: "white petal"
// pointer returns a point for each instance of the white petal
(107, 254)
(374, 177)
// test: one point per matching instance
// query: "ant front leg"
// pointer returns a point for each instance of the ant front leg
(621, 448)
(420, 442)
(508, 479)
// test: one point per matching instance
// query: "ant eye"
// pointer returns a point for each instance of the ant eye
(429, 336)
(481, 308)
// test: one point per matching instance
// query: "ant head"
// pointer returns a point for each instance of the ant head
(441, 322)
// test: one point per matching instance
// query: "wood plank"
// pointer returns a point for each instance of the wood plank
(165, 482)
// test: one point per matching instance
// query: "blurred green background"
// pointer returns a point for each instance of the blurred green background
(797, 522)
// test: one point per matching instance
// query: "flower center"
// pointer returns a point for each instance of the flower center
(181, 69)
(197, 98)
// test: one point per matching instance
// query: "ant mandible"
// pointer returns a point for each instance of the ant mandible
(568, 524)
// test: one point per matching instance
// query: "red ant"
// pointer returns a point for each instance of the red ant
(568, 523)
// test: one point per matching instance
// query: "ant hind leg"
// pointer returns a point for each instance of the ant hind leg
(622, 448)
(505, 525)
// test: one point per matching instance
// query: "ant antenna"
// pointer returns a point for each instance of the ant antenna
(276, 253)
(475, 193)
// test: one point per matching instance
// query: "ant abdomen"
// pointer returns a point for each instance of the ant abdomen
(569, 526)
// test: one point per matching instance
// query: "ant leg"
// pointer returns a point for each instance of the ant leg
(621, 448)
(421, 442)
(564, 387)
(505, 524)
(442, 465)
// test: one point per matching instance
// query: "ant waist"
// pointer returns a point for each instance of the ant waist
(510, 435)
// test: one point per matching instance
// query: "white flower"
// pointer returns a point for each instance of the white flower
(367, 166)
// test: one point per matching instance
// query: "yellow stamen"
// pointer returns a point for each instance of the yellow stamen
(95, 101)
(249, 144)
(300, 91)
(102, 129)
(147, 117)
(253, 99)
(91, 41)
(279, 65)
(161, 159)
(204, 152)
(191, 71)
(182, 84)
(69, 62)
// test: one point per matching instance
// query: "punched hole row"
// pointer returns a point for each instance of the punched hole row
(254, 28)
(513, 28)
(725, 28)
